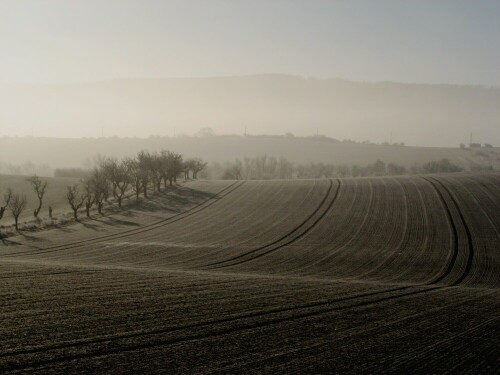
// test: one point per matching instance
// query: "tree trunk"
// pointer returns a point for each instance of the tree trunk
(170, 180)
(75, 214)
(16, 222)
(87, 208)
(37, 211)
(119, 197)
(99, 207)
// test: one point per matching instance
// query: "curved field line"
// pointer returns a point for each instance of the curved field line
(470, 243)
(249, 239)
(470, 256)
(483, 188)
(339, 246)
(454, 231)
(385, 327)
(390, 256)
(196, 336)
(221, 264)
(172, 219)
(203, 335)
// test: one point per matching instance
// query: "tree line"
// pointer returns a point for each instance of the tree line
(117, 178)
(269, 167)
(111, 178)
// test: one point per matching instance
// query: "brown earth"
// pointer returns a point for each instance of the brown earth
(372, 275)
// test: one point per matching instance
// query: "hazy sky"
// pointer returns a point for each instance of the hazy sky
(450, 41)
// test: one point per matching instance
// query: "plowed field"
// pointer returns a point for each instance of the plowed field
(378, 275)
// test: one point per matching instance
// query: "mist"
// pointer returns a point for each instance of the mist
(416, 114)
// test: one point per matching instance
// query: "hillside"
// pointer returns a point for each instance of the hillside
(57, 153)
(393, 275)
(416, 114)
(55, 196)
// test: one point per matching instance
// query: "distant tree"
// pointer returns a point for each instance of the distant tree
(75, 199)
(205, 132)
(89, 194)
(17, 204)
(342, 171)
(394, 169)
(122, 180)
(174, 166)
(285, 169)
(99, 188)
(136, 175)
(40, 187)
(6, 200)
(487, 145)
(357, 171)
(232, 171)
(109, 167)
(197, 166)
(143, 158)
(441, 166)
(379, 168)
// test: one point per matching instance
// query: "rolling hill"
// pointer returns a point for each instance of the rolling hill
(63, 153)
(393, 275)
(416, 114)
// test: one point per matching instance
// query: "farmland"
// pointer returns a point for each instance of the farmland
(393, 275)
(55, 196)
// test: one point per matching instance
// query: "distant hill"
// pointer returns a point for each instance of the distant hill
(57, 152)
(417, 114)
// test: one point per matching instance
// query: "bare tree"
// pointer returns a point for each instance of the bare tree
(89, 194)
(6, 199)
(233, 171)
(122, 181)
(100, 187)
(40, 187)
(17, 204)
(172, 166)
(143, 158)
(136, 175)
(197, 165)
(75, 199)
(109, 168)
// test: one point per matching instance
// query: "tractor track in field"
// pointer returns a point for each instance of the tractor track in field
(152, 339)
(159, 224)
(238, 258)
(214, 332)
(386, 327)
(470, 245)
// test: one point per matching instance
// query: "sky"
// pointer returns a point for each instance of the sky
(424, 41)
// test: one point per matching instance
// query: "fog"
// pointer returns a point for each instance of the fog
(416, 114)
